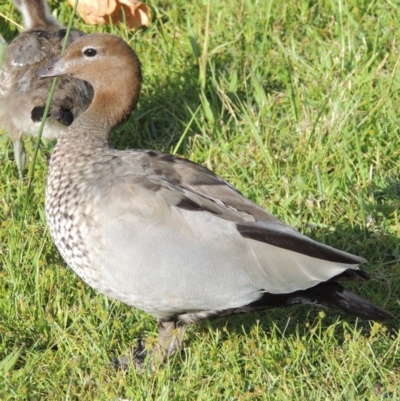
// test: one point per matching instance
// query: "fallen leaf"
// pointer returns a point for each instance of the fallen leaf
(137, 14)
(133, 12)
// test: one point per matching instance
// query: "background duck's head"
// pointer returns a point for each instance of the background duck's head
(36, 14)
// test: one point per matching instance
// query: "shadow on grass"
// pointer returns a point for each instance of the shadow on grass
(162, 115)
(166, 108)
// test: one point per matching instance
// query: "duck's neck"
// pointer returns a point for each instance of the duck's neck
(107, 111)
(36, 14)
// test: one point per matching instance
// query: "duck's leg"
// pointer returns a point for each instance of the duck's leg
(169, 340)
(170, 335)
(19, 156)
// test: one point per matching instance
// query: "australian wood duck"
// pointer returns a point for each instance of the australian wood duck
(166, 235)
(22, 95)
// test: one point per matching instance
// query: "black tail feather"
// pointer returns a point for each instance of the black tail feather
(328, 294)
(333, 295)
(351, 275)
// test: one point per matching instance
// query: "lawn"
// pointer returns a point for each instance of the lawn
(296, 103)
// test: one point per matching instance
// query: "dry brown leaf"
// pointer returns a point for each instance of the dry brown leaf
(134, 12)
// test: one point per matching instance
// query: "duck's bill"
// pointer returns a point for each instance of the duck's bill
(54, 69)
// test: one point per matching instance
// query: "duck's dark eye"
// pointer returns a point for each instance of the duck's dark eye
(90, 52)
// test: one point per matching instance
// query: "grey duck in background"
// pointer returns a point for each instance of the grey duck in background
(23, 96)
(166, 235)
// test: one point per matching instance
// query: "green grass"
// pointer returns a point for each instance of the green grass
(296, 104)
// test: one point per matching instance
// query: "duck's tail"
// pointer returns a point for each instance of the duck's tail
(333, 295)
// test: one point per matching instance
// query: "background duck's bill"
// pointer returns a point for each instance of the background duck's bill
(54, 69)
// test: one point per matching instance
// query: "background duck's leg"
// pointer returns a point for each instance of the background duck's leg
(19, 156)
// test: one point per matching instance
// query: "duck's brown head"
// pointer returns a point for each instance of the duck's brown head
(110, 66)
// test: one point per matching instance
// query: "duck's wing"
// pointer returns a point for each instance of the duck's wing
(188, 201)
(204, 185)
(202, 190)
